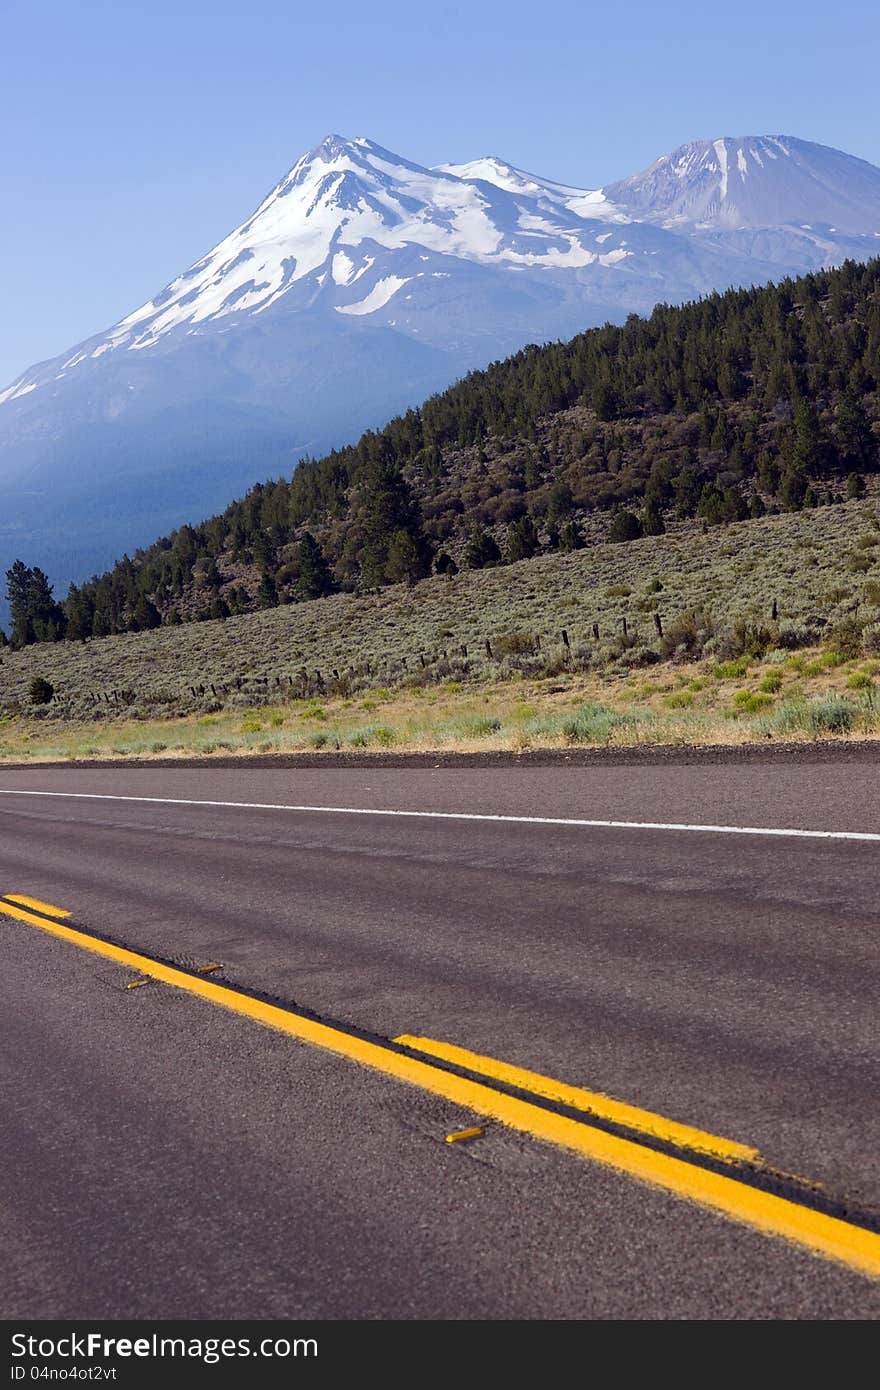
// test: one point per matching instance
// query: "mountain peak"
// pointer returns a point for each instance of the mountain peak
(365, 281)
(754, 181)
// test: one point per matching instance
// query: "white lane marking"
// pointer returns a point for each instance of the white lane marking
(467, 816)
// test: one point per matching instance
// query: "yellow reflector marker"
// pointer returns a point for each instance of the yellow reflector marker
(764, 1211)
(592, 1102)
(459, 1134)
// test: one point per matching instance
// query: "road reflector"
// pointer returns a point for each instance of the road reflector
(207, 969)
(473, 1133)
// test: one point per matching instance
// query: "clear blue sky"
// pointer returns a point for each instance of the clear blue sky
(135, 135)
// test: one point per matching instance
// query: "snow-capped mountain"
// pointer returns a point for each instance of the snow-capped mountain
(362, 283)
(771, 181)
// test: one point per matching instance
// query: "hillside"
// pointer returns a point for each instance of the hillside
(361, 283)
(774, 585)
(742, 404)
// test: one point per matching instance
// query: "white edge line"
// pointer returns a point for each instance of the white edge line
(465, 816)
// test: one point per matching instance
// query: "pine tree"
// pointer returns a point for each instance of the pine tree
(36, 617)
(18, 588)
(404, 560)
(522, 539)
(855, 486)
(482, 549)
(267, 596)
(571, 537)
(315, 579)
(389, 508)
(859, 445)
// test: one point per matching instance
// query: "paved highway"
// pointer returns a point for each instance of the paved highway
(165, 1153)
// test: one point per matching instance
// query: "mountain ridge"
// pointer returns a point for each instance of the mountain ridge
(753, 401)
(360, 284)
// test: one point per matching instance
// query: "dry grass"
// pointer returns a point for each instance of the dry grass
(410, 668)
(808, 695)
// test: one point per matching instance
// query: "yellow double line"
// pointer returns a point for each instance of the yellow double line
(726, 1192)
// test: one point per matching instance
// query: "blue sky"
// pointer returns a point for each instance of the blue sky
(135, 135)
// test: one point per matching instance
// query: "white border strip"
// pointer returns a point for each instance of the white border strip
(467, 816)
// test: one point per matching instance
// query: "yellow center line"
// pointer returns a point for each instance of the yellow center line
(35, 902)
(763, 1211)
(592, 1102)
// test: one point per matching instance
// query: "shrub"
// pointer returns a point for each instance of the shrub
(746, 639)
(789, 637)
(40, 692)
(830, 714)
(846, 637)
(771, 683)
(513, 644)
(625, 526)
(871, 639)
(371, 734)
(858, 563)
(833, 714)
(859, 680)
(687, 635)
(593, 723)
(748, 702)
(731, 670)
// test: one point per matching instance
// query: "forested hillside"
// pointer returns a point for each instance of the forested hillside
(751, 401)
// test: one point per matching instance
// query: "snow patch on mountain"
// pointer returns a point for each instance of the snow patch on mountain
(382, 291)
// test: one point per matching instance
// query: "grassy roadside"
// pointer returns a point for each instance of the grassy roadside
(809, 694)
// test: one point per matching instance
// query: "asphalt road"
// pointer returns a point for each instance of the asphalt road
(162, 1157)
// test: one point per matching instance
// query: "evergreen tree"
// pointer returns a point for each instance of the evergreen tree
(482, 549)
(18, 589)
(604, 400)
(571, 537)
(444, 564)
(315, 579)
(267, 596)
(625, 526)
(405, 560)
(389, 508)
(36, 617)
(145, 616)
(652, 519)
(858, 444)
(855, 486)
(522, 539)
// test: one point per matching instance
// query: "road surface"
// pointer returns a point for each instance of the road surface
(168, 1155)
